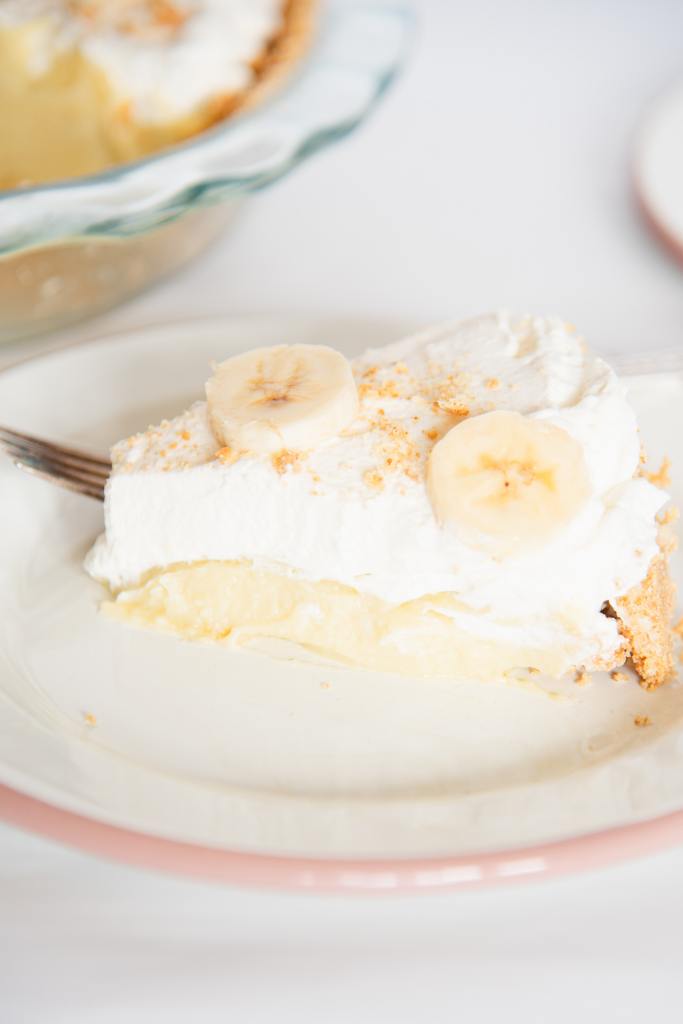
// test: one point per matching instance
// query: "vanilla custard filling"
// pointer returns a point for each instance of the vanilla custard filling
(86, 85)
(339, 548)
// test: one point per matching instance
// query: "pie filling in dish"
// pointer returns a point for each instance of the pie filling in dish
(468, 502)
(89, 84)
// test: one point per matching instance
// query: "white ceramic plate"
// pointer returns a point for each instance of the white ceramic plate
(240, 751)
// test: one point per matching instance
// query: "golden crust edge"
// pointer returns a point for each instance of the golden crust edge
(284, 51)
(644, 618)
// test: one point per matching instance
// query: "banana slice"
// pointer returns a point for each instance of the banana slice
(510, 479)
(288, 396)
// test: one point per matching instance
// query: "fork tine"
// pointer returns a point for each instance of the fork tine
(41, 447)
(55, 463)
(55, 469)
(78, 471)
(92, 490)
(52, 468)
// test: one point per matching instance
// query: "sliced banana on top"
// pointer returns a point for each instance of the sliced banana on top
(287, 396)
(509, 478)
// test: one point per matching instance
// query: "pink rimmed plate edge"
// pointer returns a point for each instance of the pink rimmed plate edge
(369, 876)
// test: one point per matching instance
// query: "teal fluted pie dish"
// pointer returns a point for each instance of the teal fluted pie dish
(71, 249)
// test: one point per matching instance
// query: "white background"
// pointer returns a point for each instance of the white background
(495, 175)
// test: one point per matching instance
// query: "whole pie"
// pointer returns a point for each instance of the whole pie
(468, 502)
(88, 84)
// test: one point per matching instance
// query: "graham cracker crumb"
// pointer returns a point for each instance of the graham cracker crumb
(168, 15)
(606, 664)
(644, 620)
(668, 516)
(227, 455)
(89, 718)
(533, 671)
(492, 383)
(457, 409)
(185, 434)
(447, 393)
(144, 20)
(619, 677)
(642, 721)
(286, 459)
(387, 389)
(398, 451)
(431, 435)
(581, 677)
(373, 478)
(678, 627)
(662, 477)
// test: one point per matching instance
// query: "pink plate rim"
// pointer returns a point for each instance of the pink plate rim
(664, 235)
(658, 227)
(580, 853)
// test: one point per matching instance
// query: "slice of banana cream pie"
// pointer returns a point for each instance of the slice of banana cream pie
(467, 502)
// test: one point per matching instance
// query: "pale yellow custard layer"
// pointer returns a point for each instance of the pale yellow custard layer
(67, 122)
(61, 116)
(236, 603)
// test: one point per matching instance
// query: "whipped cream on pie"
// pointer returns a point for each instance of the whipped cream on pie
(165, 57)
(350, 522)
(103, 82)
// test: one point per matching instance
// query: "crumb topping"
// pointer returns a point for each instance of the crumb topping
(668, 516)
(432, 400)
(662, 476)
(146, 20)
(642, 721)
(397, 451)
(227, 455)
(447, 395)
(286, 459)
(373, 479)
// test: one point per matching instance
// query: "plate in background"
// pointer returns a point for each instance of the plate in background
(658, 169)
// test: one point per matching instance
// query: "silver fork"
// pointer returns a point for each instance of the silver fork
(76, 470)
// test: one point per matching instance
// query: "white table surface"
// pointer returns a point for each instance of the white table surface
(495, 175)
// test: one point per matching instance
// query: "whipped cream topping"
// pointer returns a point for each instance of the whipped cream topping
(165, 57)
(357, 511)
